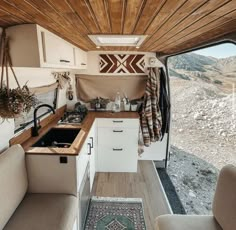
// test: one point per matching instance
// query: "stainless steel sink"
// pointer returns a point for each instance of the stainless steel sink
(57, 138)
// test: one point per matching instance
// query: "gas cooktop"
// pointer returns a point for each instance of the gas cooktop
(72, 118)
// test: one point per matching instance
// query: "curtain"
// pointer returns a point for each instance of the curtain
(89, 87)
(43, 89)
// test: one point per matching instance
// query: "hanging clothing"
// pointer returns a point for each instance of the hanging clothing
(164, 104)
(150, 116)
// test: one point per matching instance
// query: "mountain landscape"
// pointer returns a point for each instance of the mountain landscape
(203, 130)
(193, 66)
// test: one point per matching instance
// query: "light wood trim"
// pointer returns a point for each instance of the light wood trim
(27, 141)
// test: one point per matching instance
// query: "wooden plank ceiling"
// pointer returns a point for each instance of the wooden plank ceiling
(171, 25)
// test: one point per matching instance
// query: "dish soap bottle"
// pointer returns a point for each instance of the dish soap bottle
(117, 103)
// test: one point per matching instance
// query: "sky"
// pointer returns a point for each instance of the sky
(219, 51)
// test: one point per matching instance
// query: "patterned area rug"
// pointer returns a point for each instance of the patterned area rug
(106, 213)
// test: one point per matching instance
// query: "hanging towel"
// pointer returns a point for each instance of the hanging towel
(150, 115)
(164, 103)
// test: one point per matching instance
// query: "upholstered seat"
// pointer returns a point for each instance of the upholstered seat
(44, 211)
(224, 208)
(20, 210)
(183, 222)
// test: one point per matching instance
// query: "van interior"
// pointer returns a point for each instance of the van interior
(86, 112)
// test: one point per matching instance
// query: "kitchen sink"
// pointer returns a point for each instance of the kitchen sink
(57, 138)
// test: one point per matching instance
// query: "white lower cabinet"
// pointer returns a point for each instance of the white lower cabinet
(87, 154)
(117, 145)
(81, 164)
(92, 145)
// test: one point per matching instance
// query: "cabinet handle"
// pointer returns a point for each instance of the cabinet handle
(92, 142)
(83, 64)
(117, 149)
(62, 60)
(89, 151)
(117, 121)
(118, 131)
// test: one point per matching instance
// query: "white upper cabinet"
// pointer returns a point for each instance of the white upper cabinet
(34, 46)
(81, 59)
(56, 51)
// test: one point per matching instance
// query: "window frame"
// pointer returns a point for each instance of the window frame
(28, 124)
(165, 62)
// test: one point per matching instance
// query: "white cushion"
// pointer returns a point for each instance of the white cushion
(44, 212)
(224, 205)
(13, 181)
(187, 222)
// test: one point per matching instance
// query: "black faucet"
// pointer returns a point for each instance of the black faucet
(36, 128)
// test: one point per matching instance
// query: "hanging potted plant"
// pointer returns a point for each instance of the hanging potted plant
(13, 101)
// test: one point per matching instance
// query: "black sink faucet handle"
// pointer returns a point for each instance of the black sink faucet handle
(36, 126)
(39, 123)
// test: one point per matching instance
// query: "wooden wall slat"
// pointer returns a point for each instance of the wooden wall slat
(212, 20)
(116, 11)
(99, 10)
(131, 15)
(211, 26)
(171, 25)
(192, 19)
(150, 11)
(219, 32)
(168, 9)
(41, 18)
(187, 9)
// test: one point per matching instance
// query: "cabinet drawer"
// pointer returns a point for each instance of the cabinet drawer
(118, 136)
(109, 122)
(111, 160)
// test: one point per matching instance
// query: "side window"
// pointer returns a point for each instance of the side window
(26, 119)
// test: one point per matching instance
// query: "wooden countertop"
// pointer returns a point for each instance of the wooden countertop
(79, 140)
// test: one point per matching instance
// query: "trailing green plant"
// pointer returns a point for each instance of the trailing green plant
(13, 101)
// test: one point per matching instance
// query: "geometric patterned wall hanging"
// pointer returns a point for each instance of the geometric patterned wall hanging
(122, 63)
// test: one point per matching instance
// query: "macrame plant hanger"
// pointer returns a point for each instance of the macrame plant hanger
(17, 100)
(6, 61)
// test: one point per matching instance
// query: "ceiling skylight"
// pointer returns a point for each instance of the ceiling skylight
(117, 40)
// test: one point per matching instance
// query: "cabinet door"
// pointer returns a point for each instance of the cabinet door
(67, 54)
(56, 52)
(80, 58)
(92, 148)
(82, 161)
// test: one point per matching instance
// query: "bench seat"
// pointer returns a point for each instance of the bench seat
(44, 211)
(184, 222)
(21, 210)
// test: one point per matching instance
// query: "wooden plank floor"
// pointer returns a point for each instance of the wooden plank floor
(144, 184)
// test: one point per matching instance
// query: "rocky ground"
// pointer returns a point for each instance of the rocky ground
(203, 122)
(194, 180)
(203, 141)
